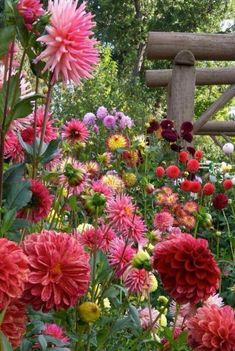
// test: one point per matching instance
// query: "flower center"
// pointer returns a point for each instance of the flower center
(56, 269)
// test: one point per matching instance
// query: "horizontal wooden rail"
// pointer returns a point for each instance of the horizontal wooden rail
(166, 45)
(204, 76)
(217, 128)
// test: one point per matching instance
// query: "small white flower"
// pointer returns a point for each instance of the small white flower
(228, 148)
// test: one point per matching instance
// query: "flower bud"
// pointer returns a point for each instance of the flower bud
(141, 260)
(88, 312)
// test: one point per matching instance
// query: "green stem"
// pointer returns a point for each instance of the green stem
(35, 132)
(229, 235)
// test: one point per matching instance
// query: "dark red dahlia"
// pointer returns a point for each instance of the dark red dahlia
(167, 124)
(187, 268)
(169, 135)
(153, 126)
(186, 127)
(220, 201)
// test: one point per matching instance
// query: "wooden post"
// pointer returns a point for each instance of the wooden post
(181, 104)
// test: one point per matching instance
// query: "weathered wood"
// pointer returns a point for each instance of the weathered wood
(215, 107)
(166, 45)
(204, 76)
(182, 89)
(217, 128)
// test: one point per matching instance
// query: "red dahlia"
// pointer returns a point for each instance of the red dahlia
(159, 172)
(208, 189)
(187, 268)
(227, 184)
(193, 165)
(183, 156)
(212, 329)
(59, 270)
(185, 185)
(220, 201)
(40, 204)
(173, 172)
(13, 272)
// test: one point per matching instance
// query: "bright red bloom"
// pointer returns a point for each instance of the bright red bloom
(120, 256)
(173, 172)
(195, 186)
(227, 184)
(14, 322)
(183, 156)
(59, 270)
(70, 52)
(193, 165)
(136, 280)
(212, 329)
(40, 204)
(208, 189)
(159, 172)
(220, 201)
(30, 10)
(187, 268)
(13, 271)
(198, 155)
(163, 220)
(74, 131)
(185, 185)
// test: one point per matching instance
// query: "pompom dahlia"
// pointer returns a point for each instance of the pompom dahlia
(70, 52)
(187, 268)
(40, 204)
(74, 131)
(13, 271)
(59, 270)
(163, 220)
(120, 256)
(30, 10)
(14, 322)
(212, 329)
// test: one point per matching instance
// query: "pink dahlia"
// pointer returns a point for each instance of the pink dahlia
(74, 131)
(212, 329)
(99, 187)
(13, 271)
(147, 318)
(14, 323)
(121, 211)
(120, 255)
(55, 331)
(51, 131)
(39, 205)
(135, 230)
(163, 220)
(59, 270)
(12, 147)
(70, 52)
(108, 236)
(30, 10)
(137, 281)
(91, 238)
(187, 268)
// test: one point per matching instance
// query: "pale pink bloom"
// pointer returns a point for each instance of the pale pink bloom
(146, 320)
(57, 332)
(120, 256)
(93, 168)
(70, 52)
(163, 220)
(102, 112)
(137, 281)
(30, 10)
(74, 131)
(214, 300)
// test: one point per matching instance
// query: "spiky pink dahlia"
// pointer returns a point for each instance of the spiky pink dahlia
(70, 51)
(57, 332)
(14, 322)
(59, 270)
(137, 281)
(13, 271)
(135, 230)
(120, 255)
(30, 10)
(121, 211)
(39, 205)
(91, 238)
(212, 329)
(74, 131)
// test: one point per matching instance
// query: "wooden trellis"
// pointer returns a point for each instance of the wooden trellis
(184, 49)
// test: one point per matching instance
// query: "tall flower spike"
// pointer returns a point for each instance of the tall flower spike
(70, 51)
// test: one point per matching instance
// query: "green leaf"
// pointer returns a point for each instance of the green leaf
(6, 36)
(7, 221)
(14, 173)
(51, 150)
(26, 345)
(134, 315)
(27, 147)
(43, 343)
(19, 196)
(4, 343)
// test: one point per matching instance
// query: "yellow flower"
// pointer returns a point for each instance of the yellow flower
(84, 226)
(114, 182)
(88, 312)
(117, 141)
(153, 283)
(129, 179)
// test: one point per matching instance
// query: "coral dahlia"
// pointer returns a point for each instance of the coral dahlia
(59, 270)
(70, 52)
(13, 271)
(212, 329)
(187, 268)
(39, 205)
(163, 220)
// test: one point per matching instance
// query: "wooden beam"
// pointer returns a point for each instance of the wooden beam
(204, 76)
(217, 128)
(182, 88)
(215, 107)
(166, 45)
